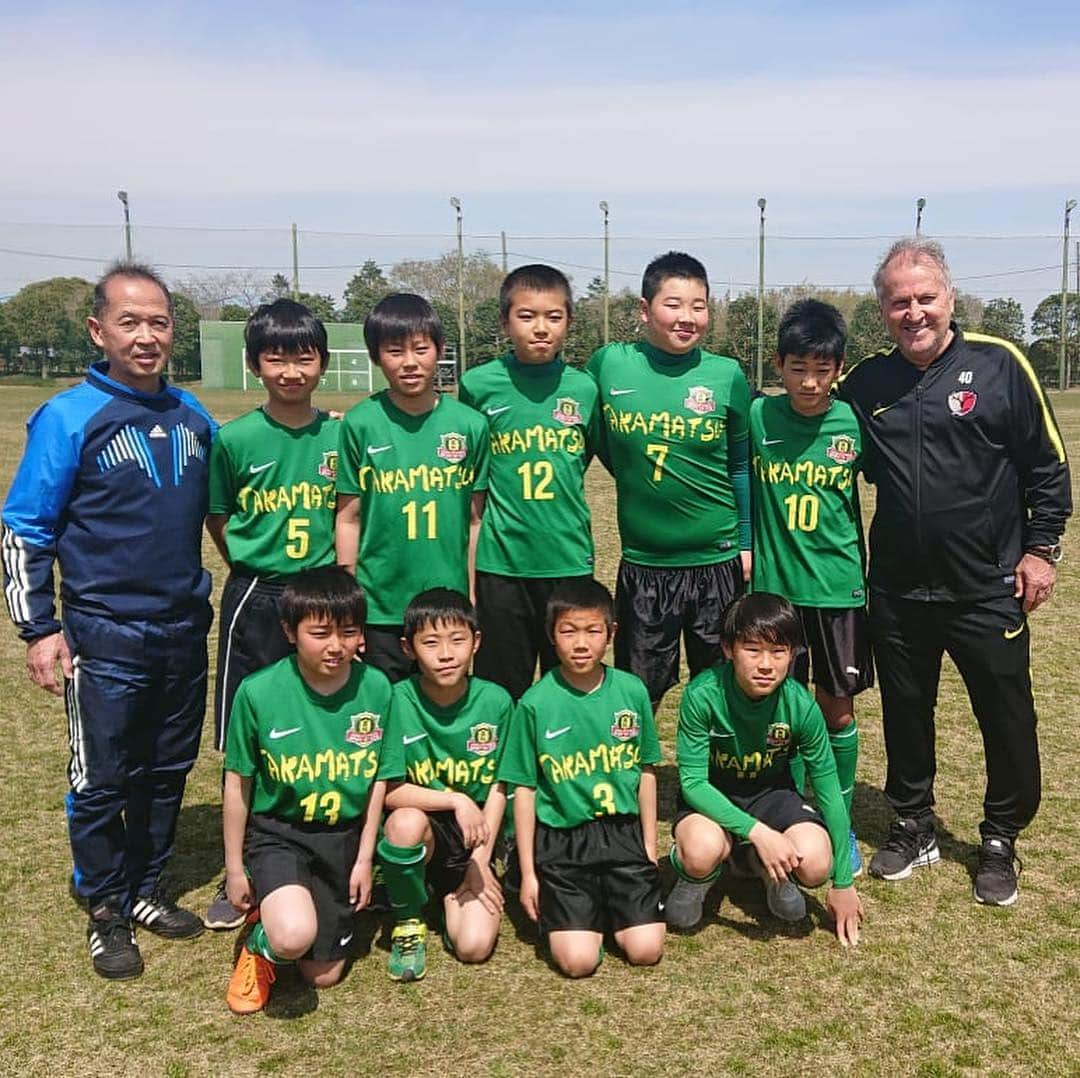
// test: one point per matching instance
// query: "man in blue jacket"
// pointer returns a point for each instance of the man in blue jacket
(113, 488)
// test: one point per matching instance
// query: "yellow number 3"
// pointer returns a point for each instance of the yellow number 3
(604, 792)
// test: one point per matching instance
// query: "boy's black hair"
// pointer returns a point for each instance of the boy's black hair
(535, 278)
(329, 592)
(673, 264)
(139, 271)
(285, 326)
(762, 616)
(435, 605)
(583, 594)
(397, 317)
(812, 328)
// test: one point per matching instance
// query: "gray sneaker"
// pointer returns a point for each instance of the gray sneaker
(685, 902)
(784, 900)
(221, 914)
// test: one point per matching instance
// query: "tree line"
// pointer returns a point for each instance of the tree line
(43, 334)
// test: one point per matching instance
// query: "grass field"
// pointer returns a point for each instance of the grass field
(939, 986)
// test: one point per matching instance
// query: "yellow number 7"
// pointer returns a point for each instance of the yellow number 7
(657, 452)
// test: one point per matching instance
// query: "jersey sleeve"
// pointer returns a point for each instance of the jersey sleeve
(483, 455)
(518, 764)
(811, 738)
(35, 504)
(465, 393)
(241, 742)
(504, 719)
(692, 757)
(222, 474)
(1039, 453)
(392, 754)
(738, 447)
(650, 740)
(350, 456)
(598, 431)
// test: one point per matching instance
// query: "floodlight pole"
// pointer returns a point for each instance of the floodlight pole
(295, 265)
(1070, 205)
(607, 276)
(920, 205)
(761, 296)
(503, 237)
(123, 196)
(456, 203)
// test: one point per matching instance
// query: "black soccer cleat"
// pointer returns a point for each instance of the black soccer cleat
(113, 949)
(165, 918)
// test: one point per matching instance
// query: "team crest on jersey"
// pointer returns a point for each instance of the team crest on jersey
(452, 447)
(567, 411)
(700, 399)
(328, 468)
(963, 401)
(625, 726)
(778, 736)
(364, 728)
(842, 449)
(483, 739)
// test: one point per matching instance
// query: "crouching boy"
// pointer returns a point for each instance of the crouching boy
(582, 755)
(302, 799)
(448, 733)
(739, 723)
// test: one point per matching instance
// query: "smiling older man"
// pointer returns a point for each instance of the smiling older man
(972, 496)
(113, 488)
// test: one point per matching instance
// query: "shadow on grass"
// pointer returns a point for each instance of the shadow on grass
(198, 858)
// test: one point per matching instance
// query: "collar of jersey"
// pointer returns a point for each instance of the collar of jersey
(578, 692)
(437, 710)
(407, 418)
(97, 373)
(763, 707)
(534, 370)
(658, 355)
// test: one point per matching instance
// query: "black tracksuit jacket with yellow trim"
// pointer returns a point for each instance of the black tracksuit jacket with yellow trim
(969, 465)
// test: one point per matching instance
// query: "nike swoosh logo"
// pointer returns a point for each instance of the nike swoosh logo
(414, 738)
(256, 468)
(878, 411)
(550, 734)
(375, 449)
(621, 392)
(343, 942)
(275, 734)
(1012, 634)
(771, 441)
(498, 411)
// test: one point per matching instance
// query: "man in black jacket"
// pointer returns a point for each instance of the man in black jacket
(972, 497)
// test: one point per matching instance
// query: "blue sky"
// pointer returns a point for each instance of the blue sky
(364, 118)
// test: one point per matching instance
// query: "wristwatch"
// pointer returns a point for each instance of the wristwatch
(1051, 554)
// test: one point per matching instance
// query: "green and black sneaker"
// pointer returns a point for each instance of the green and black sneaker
(408, 950)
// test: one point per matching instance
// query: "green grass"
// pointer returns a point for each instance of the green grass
(939, 986)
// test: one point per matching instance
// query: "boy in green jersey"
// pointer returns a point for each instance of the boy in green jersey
(675, 439)
(582, 755)
(413, 466)
(739, 723)
(271, 508)
(445, 810)
(302, 794)
(536, 529)
(806, 451)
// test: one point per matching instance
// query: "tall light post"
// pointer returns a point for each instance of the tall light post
(123, 196)
(920, 205)
(607, 283)
(1070, 205)
(456, 203)
(761, 295)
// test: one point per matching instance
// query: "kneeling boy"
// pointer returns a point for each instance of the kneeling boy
(448, 733)
(739, 724)
(302, 801)
(582, 754)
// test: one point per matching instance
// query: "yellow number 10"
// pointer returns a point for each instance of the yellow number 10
(802, 512)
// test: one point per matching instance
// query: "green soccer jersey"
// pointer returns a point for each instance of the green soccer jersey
(807, 538)
(728, 745)
(581, 752)
(415, 477)
(544, 425)
(669, 424)
(312, 758)
(455, 748)
(276, 485)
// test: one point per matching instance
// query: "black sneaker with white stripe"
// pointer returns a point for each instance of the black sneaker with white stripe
(112, 943)
(164, 918)
(908, 847)
(995, 878)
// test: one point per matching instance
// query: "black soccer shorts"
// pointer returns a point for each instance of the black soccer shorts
(451, 856)
(316, 856)
(837, 658)
(594, 875)
(778, 807)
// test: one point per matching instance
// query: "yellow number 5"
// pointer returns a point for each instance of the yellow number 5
(299, 540)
